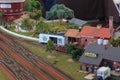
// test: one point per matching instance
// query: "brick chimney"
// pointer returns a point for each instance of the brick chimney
(111, 25)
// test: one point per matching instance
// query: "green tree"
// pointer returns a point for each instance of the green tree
(115, 42)
(1, 13)
(26, 5)
(35, 5)
(50, 46)
(118, 41)
(77, 53)
(41, 27)
(49, 15)
(27, 24)
(112, 41)
(36, 10)
(36, 15)
(70, 48)
(59, 11)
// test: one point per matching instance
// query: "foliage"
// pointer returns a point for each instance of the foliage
(77, 53)
(34, 4)
(50, 46)
(41, 27)
(50, 15)
(26, 24)
(74, 26)
(1, 14)
(115, 42)
(36, 9)
(1, 22)
(36, 15)
(70, 48)
(59, 11)
(26, 5)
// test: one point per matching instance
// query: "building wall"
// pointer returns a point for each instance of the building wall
(12, 12)
(90, 67)
(112, 64)
(83, 41)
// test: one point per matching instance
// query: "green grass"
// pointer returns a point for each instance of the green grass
(3, 76)
(68, 67)
(23, 33)
(57, 27)
(53, 29)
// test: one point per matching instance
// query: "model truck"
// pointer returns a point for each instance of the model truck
(103, 72)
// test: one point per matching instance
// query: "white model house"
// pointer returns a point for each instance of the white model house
(57, 39)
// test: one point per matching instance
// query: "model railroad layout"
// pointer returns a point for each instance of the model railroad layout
(19, 63)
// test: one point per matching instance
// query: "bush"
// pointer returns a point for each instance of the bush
(70, 48)
(77, 53)
(74, 26)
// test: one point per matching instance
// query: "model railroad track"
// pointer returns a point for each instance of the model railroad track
(21, 64)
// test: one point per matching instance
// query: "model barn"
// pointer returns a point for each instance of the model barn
(11, 9)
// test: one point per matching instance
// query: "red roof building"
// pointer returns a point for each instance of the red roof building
(95, 32)
(11, 9)
(72, 35)
(90, 34)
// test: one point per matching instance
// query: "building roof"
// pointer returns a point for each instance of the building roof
(111, 53)
(77, 21)
(96, 32)
(11, 1)
(71, 32)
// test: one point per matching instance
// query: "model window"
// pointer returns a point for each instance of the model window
(5, 10)
(59, 40)
(16, 10)
(85, 40)
(5, 5)
(20, 9)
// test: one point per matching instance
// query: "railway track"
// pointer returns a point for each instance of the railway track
(22, 64)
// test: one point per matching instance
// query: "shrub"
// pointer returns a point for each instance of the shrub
(70, 48)
(77, 53)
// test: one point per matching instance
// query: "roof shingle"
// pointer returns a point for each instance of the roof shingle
(94, 31)
(72, 33)
(111, 53)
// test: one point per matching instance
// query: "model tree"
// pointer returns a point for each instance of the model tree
(50, 46)
(77, 53)
(115, 42)
(26, 5)
(36, 9)
(35, 5)
(1, 14)
(41, 27)
(59, 11)
(26, 24)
